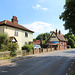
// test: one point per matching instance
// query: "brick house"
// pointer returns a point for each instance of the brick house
(16, 32)
(37, 42)
(57, 41)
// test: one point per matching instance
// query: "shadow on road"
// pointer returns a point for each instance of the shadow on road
(43, 65)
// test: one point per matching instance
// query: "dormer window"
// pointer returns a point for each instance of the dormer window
(16, 33)
(26, 34)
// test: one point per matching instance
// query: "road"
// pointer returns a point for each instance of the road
(51, 63)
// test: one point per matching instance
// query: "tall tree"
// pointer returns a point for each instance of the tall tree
(68, 16)
(43, 36)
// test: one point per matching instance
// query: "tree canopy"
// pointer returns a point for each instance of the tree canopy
(68, 16)
(42, 36)
(70, 39)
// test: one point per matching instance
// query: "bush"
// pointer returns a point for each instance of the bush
(68, 46)
(12, 47)
(4, 47)
(4, 40)
(71, 42)
(28, 47)
(44, 46)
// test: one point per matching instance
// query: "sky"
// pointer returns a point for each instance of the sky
(40, 16)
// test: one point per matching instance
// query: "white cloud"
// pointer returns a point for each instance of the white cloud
(38, 6)
(44, 8)
(39, 27)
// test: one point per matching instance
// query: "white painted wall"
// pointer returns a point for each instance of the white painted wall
(21, 35)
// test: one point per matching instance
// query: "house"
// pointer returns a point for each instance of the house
(57, 41)
(37, 42)
(16, 32)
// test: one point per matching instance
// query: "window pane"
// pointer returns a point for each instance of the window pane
(26, 34)
(16, 33)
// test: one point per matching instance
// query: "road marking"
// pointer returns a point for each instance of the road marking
(66, 73)
(37, 66)
(69, 69)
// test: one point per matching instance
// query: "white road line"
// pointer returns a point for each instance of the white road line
(69, 69)
(66, 73)
(35, 67)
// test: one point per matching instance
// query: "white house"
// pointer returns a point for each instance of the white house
(16, 32)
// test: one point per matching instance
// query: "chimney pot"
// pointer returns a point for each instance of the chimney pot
(14, 19)
(56, 31)
(59, 32)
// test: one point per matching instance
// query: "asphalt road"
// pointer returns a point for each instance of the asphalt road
(52, 63)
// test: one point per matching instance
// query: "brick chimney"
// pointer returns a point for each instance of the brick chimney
(59, 32)
(56, 31)
(14, 20)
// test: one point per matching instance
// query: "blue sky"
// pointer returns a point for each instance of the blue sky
(38, 15)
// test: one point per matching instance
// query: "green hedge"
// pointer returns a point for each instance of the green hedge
(27, 47)
(12, 47)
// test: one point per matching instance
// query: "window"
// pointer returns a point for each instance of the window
(53, 36)
(25, 43)
(62, 43)
(16, 33)
(26, 34)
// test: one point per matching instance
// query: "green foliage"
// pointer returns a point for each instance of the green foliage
(12, 47)
(4, 47)
(68, 46)
(28, 47)
(4, 40)
(70, 39)
(43, 36)
(44, 46)
(68, 16)
(71, 42)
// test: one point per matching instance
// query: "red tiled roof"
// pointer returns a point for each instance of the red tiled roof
(61, 37)
(37, 42)
(16, 25)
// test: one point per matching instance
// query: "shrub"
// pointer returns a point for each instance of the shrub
(28, 47)
(12, 47)
(4, 47)
(4, 40)
(68, 46)
(44, 46)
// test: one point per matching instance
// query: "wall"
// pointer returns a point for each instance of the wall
(62, 45)
(27, 39)
(1, 29)
(55, 38)
(21, 35)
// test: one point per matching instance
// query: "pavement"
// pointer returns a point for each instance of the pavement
(6, 62)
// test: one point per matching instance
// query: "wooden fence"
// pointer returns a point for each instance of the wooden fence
(36, 51)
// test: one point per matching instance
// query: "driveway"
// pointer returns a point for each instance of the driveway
(51, 63)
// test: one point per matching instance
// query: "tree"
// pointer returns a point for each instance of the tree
(70, 39)
(43, 36)
(71, 42)
(4, 40)
(68, 16)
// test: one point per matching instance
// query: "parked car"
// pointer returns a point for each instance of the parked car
(37, 46)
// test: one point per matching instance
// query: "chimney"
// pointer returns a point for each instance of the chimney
(14, 20)
(59, 32)
(56, 31)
